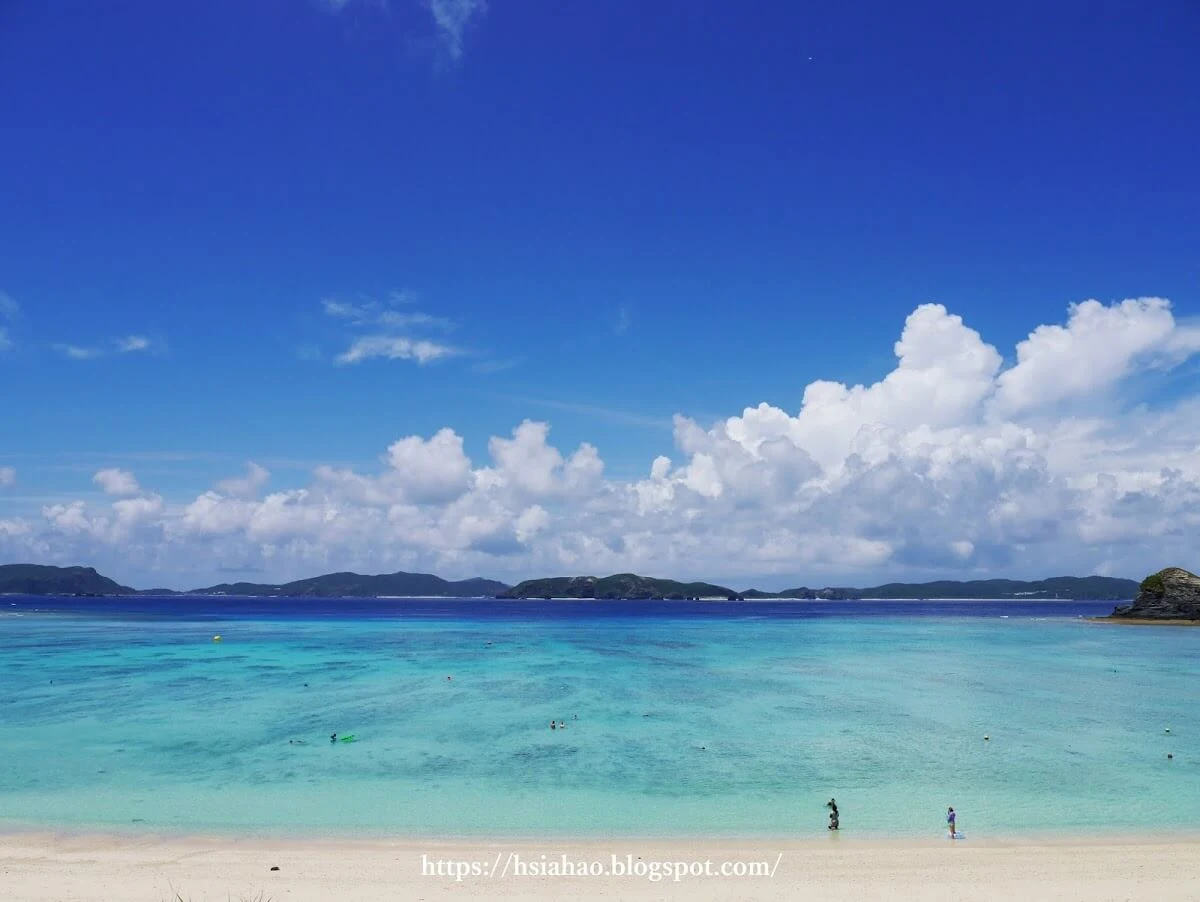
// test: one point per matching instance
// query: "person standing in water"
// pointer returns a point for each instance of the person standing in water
(951, 822)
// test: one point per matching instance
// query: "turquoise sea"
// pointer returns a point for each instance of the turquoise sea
(683, 718)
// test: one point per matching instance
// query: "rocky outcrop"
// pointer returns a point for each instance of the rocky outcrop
(1171, 594)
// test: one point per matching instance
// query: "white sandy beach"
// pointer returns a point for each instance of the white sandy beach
(39, 867)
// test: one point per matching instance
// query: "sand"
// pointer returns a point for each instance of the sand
(39, 867)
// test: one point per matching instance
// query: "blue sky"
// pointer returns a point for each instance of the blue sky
(603, 215)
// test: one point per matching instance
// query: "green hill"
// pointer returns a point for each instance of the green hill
(37, 579)
(617, 586)
(1090, 588)
(356, 585)
(1071, 588)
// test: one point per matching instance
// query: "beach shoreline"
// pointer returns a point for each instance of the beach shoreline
(37, 866)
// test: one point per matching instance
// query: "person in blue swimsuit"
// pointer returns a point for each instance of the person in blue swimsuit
(951, 820)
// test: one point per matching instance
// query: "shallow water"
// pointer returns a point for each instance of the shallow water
(692, 718)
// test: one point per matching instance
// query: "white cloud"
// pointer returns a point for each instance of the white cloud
(125, 345)
(395, 348)
(387, 325)
(356, 313)
(452, 18)
(624, 320)
(245, 486)
(9, 309)
(114, 481)
(1099, 346)
(947, 467)
(336, 6)
(433, 470)
(396, 320)
(132, 343)
(75, 352)
(8, 477)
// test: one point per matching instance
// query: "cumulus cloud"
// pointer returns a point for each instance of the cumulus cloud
(8, 477)
(114, 481)
(245, 486)
(947, 466)
(1099, 346)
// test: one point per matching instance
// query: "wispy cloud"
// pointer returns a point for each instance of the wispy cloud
(395, 347)
(308, 353)
(624, 320)
(452, 18)
(132, 343)
(9, 309)
(388, 327)
(610, 414)
(370, 311)
(75, 352)
(399, 320)
(8, 477)
(488, 367)
(336, 6)
(355, 313)
(129, 344)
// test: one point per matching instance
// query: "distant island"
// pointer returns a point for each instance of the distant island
(1168, 596)
(628, 586)
(36, 579)
(355, 585)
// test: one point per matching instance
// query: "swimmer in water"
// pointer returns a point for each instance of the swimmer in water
(951, 822)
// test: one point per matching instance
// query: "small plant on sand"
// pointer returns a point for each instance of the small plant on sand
(261, 896)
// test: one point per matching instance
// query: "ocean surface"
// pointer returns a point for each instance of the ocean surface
(683, 718)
